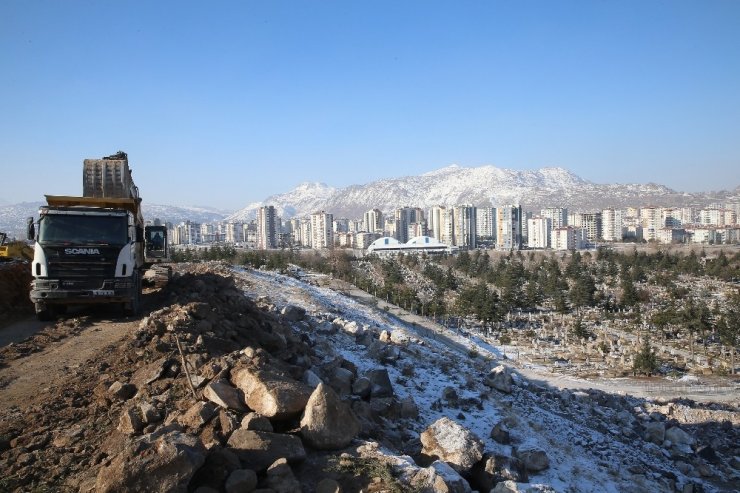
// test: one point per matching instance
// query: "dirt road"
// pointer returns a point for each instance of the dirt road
(27, 380)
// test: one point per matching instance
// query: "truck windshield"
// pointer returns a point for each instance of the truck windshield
(88, 230)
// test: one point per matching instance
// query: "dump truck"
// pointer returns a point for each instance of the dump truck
(91, 248)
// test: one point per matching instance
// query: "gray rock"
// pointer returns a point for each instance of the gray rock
(500, 433)
(228, 421)
(149, 413)
(493, 469)
(500, 379)
(409, 409)
(678, 436)
(272, 395)
(439, 477)
(328, 423)
(256, 422)
(131, 422)
(341, 381)
(362, 387)
(241, 481)
(164, 461)
(505, 487)
(293, 313)
(655, 432)
(223, 394)
(708, 454)
(280, 478)
(533, 458)
(258, 449)
(452, 443)
(122, 391)
(199, 414)
(380, 383)
(328, 485)
(399, 337)
(311, 379)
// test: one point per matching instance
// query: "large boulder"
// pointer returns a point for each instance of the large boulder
(680, 440)
(678, 437)
(164, 461)
(271, 394)
(257, 422)
(380, 383)
(198, 414)
(448, 441)
(500, 379)
(280, 478)
(492, 469)
(440, 478)
(293, 313)
(655, 432)
(328, 423)
(258, 449)
(533, 458)
(223, 394)
(241, 481)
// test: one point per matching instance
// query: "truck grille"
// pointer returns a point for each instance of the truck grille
(81, 271)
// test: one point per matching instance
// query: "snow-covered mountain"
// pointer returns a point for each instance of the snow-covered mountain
(484, 185)
(13, 217)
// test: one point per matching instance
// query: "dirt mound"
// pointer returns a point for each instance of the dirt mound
(75, 427)
(15, 286)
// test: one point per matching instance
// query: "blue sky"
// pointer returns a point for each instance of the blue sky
(225, 103)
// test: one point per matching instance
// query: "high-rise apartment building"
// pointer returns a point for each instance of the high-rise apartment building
(437, 220)
(464, 226)
(509, 227)
(486, 223)
(321, 230)
(592, 226)
(611, 224)
(187, 233)
(266, 228)
(558, 216)
(234, 232)
(373, 221)
(539, 232)
(404, 217)
(567, 238)
(650, 217)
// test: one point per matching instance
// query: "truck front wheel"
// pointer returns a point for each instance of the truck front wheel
(44, 313)
(133, 307)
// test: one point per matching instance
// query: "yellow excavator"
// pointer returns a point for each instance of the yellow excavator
(14, 250)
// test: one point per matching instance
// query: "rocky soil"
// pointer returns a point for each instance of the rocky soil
(214, 390)
(15, 278)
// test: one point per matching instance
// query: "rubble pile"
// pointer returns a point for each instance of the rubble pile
(15, 285)
(216, 392)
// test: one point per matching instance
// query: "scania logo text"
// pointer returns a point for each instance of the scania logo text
(82, 251)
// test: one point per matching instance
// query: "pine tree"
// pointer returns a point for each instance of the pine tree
(645, 361)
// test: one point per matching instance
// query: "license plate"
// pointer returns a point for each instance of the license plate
(102, 292)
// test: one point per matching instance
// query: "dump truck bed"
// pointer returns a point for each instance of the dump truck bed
(108, 178)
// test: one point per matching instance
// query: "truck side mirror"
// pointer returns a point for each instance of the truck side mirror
(30, 229)
(139, 234)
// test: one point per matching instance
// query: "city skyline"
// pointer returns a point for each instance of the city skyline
(214, 101)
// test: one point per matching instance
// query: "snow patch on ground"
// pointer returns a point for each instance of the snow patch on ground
(582, 457)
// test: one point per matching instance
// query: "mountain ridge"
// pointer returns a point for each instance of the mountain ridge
(481, 186)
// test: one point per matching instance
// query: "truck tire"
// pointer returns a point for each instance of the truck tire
(133, 307)
(44, 313)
